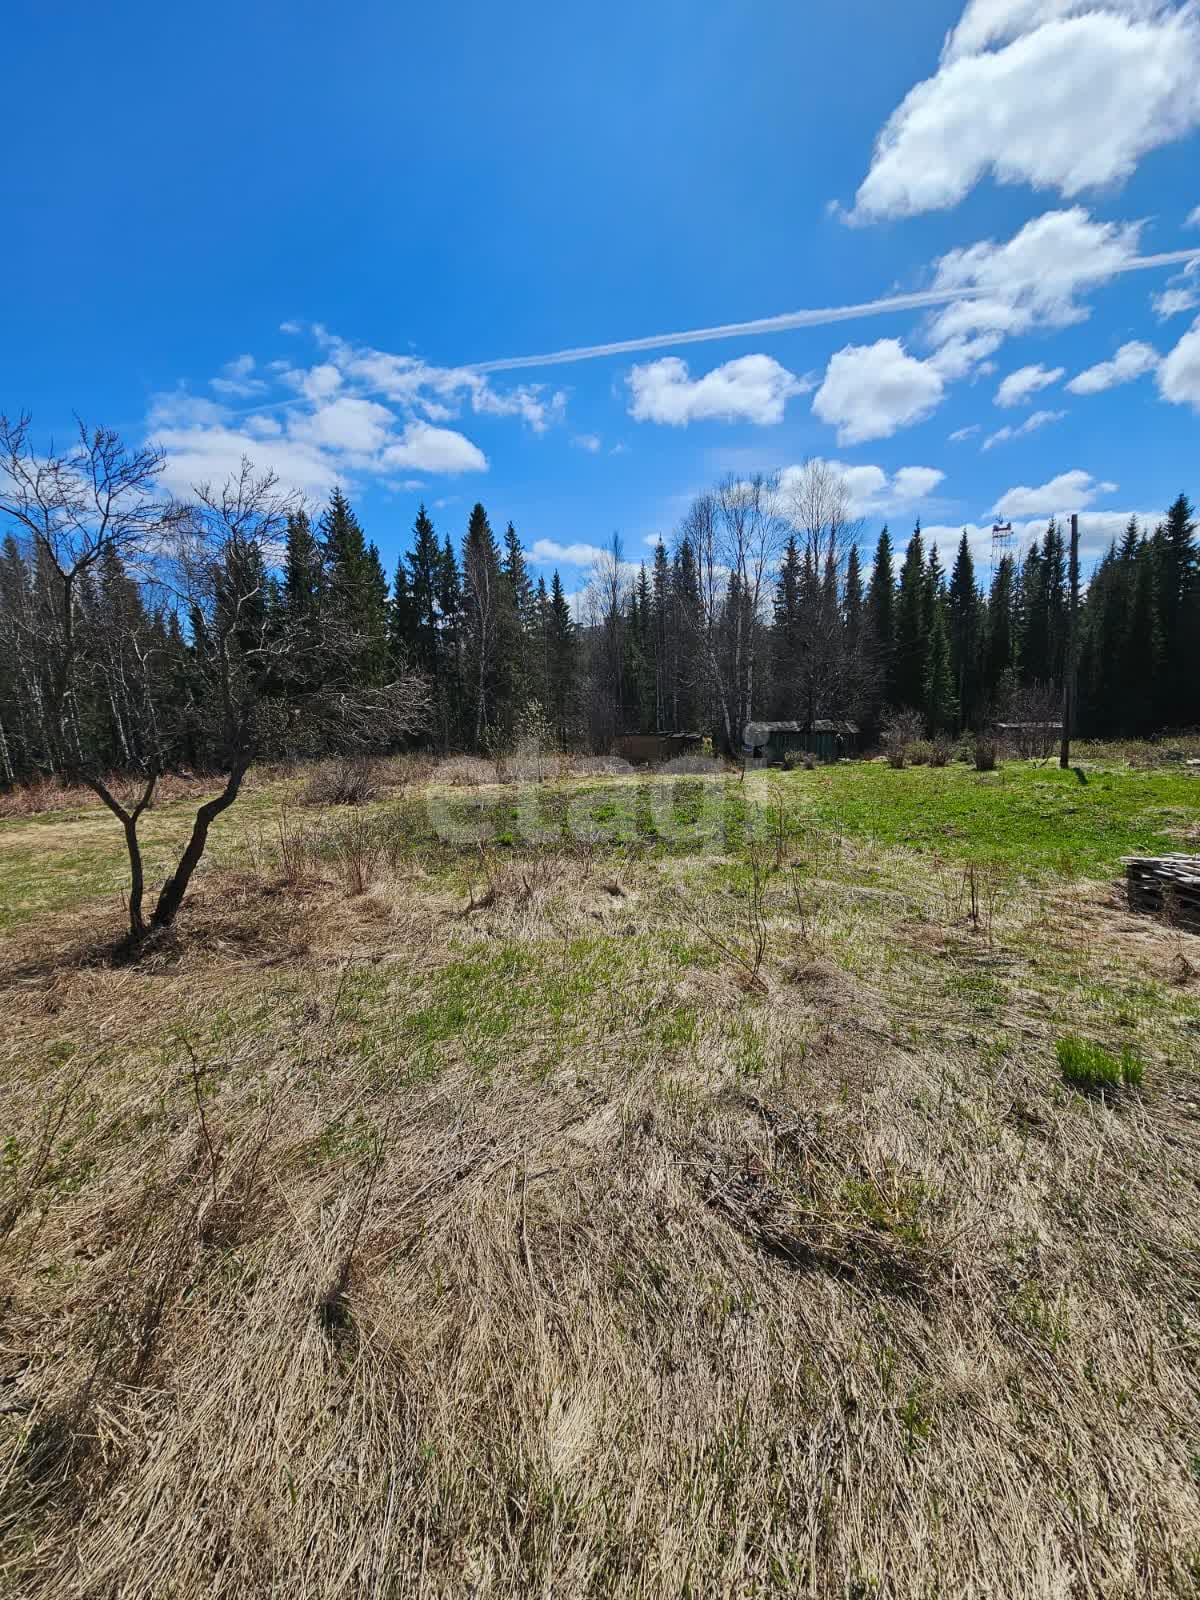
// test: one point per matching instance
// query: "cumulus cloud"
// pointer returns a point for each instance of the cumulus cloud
(356, 412)
(1132, 360)
(1033, 279)
(424, 448)
(351, 424)
(1069, 491)
(1193, 220)
(751, 389)
(210, 453)
(1097, 530)
(869, 391)
(871, 489)
(1019, 385)
(1173, 302)
(1179, 375)
(591, 442)
(1036, 420)
(566, 555)
(1015, 96)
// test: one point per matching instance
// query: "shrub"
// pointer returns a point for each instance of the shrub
(901, 732)
(921, 753)
(940, 750)
(987, 754)
(344, 781)
(1091, 1068)
(466, 770)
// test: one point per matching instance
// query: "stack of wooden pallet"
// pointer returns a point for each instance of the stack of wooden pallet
(1167, 886)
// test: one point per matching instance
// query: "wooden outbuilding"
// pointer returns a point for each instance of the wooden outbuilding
(825, 738)
(644, 749)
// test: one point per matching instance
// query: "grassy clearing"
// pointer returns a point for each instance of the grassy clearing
(615, 1217)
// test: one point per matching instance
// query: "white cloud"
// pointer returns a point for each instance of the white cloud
(359, 427)
(869, 391)
(591, 442)
(959, 355)
(1097, 530)
(567, 555)
(960, 434)
(1032, 110)
(179, 409)
(1069, 491)
(1019, 385)
(424, 448)
(1035, 420)
(236, 378)
(1179, 375)
(914, 483)
(1035, 278)
(1172, 302)
(319, 382)
(1132, 360)
(751, 389)
(1193, 220)
(992, 22)
(872, 492)
(209, 454)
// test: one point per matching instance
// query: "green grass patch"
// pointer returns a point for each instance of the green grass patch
(1091, 1068)
(1027, 816)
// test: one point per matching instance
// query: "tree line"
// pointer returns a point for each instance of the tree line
(762, 606)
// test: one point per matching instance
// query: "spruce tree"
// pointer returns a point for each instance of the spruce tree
(787, 639)
(999, 661)
(486, 596)
(881, 616)
(940, 700)
(563, 655)
(912, 625)
(402, 617)
(1178, 562)
(304, 571)
(963, 621)
(425, 561)
(451, 708)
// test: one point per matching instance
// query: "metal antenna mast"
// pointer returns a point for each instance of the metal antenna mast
(1003, 540)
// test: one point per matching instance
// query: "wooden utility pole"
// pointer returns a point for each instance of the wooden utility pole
(1064, 752)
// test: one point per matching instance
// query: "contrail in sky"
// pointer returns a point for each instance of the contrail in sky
(814, 318)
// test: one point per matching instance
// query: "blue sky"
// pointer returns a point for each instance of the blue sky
(307, 233)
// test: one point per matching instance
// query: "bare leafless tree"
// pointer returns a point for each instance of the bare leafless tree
(74, 507)
(262, 673)
(736, 533)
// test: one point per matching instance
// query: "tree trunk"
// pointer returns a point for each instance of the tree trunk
(129, 823)
(171, 897)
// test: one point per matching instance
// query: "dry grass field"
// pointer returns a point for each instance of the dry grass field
(703, 1198)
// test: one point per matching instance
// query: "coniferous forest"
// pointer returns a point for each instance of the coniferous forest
(756, 607)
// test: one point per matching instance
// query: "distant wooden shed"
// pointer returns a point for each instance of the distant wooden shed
(825, 738)
(642, 749)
